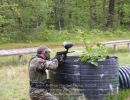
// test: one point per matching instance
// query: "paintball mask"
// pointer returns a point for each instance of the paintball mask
(47, 53)
(44, 50)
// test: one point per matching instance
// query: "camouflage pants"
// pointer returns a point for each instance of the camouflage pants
(41, 94)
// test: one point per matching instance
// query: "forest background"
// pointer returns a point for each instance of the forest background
(59, 20)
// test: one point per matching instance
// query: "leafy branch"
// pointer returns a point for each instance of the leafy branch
(93, 54)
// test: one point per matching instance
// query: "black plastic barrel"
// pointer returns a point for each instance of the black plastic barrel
(66, 79)
(98, 82)
(124, 77)
(94, 82)
(68, 72)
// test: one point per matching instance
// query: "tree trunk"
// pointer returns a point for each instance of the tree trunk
(1, 28)
(110, 13)
(93, 14)
(120, 11)
(104, 12)
(59, 10)
(37, 23)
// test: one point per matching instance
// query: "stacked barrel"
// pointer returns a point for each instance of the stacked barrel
(95, 82)
(100, 81)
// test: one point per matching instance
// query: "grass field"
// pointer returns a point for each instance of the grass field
(14, 80)
(93, 36)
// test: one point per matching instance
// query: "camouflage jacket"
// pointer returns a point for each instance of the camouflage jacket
(37, 67)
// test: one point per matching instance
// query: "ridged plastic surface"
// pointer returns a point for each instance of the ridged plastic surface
(95, 82)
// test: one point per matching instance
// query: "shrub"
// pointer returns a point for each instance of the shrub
(93, 54)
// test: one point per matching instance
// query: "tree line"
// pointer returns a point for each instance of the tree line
(20, 18)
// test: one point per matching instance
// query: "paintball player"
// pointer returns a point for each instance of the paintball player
(39, 87)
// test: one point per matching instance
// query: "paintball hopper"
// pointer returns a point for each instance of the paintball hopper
(62, 55)
(67, 45)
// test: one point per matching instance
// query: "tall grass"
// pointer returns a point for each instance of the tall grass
(93, 35)
(123, 54)
(123, 94)
(13, 60)
(14, 83)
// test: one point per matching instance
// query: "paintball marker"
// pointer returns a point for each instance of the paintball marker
(61, 56)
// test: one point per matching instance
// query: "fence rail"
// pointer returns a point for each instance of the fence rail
(17, 51)
(117, 42)
(33, 50)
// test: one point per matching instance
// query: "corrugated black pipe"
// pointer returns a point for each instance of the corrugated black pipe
(124, 77)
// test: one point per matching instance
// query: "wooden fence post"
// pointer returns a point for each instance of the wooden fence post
(20, 59)
(129, 46)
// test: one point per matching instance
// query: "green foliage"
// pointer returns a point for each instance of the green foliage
(13, 60)
(122, 95)
(93, 54)
(32, 20)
